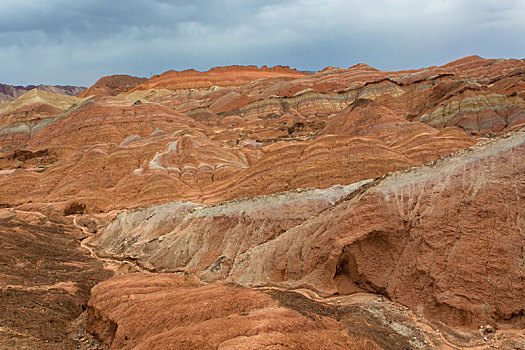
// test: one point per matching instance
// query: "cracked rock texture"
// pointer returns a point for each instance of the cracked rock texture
(206, 240)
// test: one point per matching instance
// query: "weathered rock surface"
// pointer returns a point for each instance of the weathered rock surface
(221, 316)
(266, 173)
(149, 154)
(176, 236)
(31, 112)
(418, 141)
(443, 238)
(479, 95)
(283, 131)
(165, 311)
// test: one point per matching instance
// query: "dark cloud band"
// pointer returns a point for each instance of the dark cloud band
(75, 42)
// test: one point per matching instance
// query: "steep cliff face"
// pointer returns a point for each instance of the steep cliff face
(444, 238)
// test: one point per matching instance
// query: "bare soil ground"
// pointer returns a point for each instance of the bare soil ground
(45, 281)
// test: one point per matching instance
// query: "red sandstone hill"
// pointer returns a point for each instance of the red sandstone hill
(291, 200)
(272, 134)
(443, 239)
(112, 85)
(218, 76)
(269, 135)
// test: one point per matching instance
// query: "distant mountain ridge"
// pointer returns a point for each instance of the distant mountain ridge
(10, 92)
(113, 85)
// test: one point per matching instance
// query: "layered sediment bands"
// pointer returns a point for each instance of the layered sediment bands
(9, 92)
(267, 185)
(418, 141)
(484, 69)
(193, 155)
(324, 162)
(155, 169)
(257, 137)
(444, 238)
(36, 111)
(305, 102)
(22, 118)
(219, 76)
(36, 96)
(478, 113)
(120, 155)
(182, 313)
(511, 84)
(96, 150)
(138, 171)
(110, 122)
(450, 102)
(478, 95)
(112, 85)
(177, 236)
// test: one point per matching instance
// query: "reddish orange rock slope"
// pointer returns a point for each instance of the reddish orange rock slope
(112, 85)
(219, 76)
(443, 238)
(164, 311)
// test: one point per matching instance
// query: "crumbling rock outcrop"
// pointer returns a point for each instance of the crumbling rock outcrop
(177, 236)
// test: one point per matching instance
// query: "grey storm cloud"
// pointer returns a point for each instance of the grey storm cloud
(76, 42)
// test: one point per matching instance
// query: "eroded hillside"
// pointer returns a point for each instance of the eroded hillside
(271, 208)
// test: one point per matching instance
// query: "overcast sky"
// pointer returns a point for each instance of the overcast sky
(78, 41)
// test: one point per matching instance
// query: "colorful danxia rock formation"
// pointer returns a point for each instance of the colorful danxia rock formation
(258, 208)
(9, 92)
